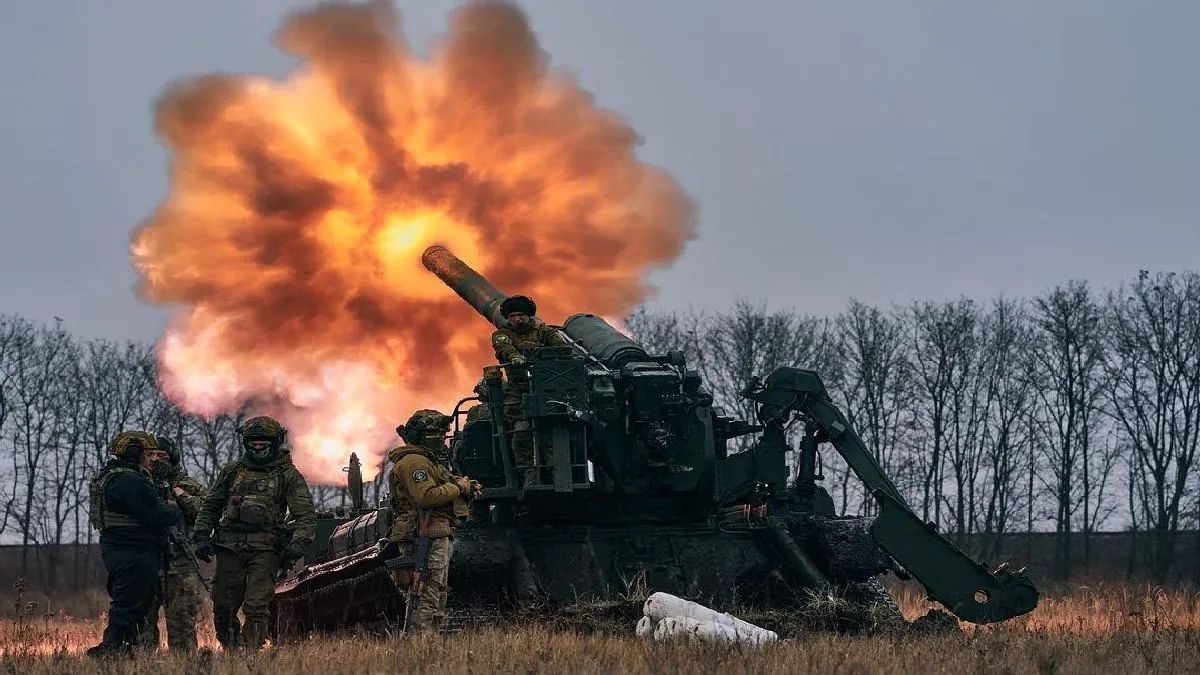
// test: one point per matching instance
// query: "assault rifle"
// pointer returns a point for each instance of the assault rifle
(175, 536)
(420, 567)
(177, 540)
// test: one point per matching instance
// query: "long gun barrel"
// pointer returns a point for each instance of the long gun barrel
(466, 282)
(591, 332)
(176, 537)
(602, 341)
(179, 542)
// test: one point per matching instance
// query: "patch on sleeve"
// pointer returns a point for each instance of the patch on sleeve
(420, 475)
(500, 338)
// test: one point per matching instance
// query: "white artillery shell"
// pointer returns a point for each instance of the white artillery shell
(660, 606)
(645, 628)
(691, 630)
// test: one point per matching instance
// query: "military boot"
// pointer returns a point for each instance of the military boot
(108, 649)
(254, 635)
(113, 643)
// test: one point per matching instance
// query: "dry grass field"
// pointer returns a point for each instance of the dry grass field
(1112, 628)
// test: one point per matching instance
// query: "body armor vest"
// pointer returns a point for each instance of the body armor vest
(100, 514)
(256, 501)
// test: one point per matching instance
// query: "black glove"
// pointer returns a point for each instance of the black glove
(291, 554)
(202, 546)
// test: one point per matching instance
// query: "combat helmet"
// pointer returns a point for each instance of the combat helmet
(423, 423)
(261, 438)
(168, 446)
(426, 428)
(128, 445)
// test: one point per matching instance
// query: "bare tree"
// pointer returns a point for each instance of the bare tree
(114, 388)
(663, 331)
(993, 420)
(1067, 353)
(212, 443)
(944, 353)
(60, 479)
(74, 468)
(875, 385)
(11, 328)
(121, 392)
(1154, 388)
(1006, 440)
(748, 341)
(41, 354)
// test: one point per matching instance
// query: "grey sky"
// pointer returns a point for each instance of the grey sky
(879, 150)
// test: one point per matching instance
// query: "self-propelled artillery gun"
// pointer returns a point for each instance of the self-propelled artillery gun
(639, 480)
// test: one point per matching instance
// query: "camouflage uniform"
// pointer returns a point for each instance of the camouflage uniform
(247, 505)
(418, 482)
(517, 346)
(183, 590)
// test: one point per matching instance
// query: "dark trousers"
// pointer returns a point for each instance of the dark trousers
(132, 580)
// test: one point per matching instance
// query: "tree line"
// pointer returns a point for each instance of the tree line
(62, 400)
(1071, 412)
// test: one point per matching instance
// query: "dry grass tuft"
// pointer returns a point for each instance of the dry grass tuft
(1128, 629)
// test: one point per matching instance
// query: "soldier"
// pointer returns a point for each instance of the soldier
(181, 591)
(424, 491)
(514, 344)
(248, 504)
(132, 521)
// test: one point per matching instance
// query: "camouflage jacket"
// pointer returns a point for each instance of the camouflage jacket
(510, 343)
(189, 503)
(250, 502)
(418, 483)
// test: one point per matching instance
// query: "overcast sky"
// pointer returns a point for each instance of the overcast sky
(879, 150)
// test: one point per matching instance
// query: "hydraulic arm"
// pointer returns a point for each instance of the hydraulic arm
(949, 575)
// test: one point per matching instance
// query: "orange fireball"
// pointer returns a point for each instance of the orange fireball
(291, 237)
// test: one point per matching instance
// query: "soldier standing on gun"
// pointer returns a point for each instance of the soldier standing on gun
(248, 504)
(132, 521)
(181, 591)
(424, 498)
(522, 335)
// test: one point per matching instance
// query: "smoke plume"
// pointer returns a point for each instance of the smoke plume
(290, 240)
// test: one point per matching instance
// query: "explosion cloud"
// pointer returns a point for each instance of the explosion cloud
(290, 240)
